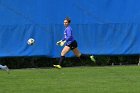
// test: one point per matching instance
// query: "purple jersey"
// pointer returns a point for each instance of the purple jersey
(68, 35)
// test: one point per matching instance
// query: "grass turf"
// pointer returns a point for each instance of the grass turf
(122, 79)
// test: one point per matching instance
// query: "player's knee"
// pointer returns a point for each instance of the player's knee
(63, 53)
(78, 54)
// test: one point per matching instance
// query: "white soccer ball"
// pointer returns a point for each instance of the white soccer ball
(30, 41)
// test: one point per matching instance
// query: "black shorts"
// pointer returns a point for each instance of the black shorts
(73, 45)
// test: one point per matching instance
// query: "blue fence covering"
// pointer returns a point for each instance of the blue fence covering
(101, 27)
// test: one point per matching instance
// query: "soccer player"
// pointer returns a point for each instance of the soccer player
(71, 44)
(4, 68)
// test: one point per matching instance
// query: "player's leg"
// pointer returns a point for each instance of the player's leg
(76, 52)
(74, 48)
(65, 50)
(83, 56)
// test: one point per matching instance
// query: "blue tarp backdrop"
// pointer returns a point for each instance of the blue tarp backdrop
(101, 27)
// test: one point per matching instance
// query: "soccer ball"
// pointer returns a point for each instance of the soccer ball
(30, 41)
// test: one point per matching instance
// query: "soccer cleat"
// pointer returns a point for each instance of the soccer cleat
(57, 66)
(92, 58)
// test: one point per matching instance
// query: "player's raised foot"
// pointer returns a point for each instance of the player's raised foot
(57, 66)
(92, 58)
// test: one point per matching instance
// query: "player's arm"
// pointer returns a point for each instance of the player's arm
(69, 34)
(67, 38)
(61, 42)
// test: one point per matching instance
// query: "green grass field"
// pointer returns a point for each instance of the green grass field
(122, 79)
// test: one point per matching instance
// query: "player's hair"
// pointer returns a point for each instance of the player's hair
(68, 19)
